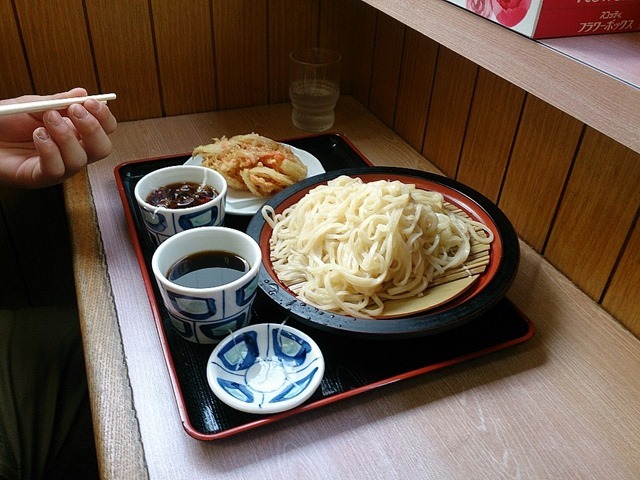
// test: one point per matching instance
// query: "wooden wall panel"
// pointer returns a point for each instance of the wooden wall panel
(596, 213)
(59, 56)
(324, 24)
(286, 35)
(416, 82)
(622, 298)
(184, 42)
(364, 34)
(493, 121)
(12, 59)
(241, 52)
(386, 68)
(125, 56)
(544, 148)
(168, 58)
(449, 110)
(336, 31)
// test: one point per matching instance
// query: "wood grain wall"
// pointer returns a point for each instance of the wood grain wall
(570, 191)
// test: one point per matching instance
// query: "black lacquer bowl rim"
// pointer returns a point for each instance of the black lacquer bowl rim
(450, 315)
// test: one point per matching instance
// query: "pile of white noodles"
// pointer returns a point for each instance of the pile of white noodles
(348, 246)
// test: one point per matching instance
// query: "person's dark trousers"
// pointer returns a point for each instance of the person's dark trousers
(45, 418)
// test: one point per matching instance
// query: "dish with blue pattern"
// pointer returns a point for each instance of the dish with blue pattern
(265, 368)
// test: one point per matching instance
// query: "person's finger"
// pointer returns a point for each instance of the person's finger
(51, 166)
(94, 139)
(66, 138)
(74, 92)
(103, 114)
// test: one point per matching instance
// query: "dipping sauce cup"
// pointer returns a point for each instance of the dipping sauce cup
(208, 279)
(162, 222)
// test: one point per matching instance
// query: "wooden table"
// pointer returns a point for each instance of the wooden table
(562, 405)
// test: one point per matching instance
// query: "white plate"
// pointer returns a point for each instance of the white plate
(265, 368)
(240, 202)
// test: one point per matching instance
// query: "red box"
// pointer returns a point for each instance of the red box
(559, 18)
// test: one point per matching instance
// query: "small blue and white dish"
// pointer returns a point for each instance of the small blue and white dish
(265, 368)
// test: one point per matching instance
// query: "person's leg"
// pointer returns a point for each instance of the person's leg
(45, 419)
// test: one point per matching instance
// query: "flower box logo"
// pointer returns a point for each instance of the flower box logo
(506, 12)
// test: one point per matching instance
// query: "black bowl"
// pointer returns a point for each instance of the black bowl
(475, 301)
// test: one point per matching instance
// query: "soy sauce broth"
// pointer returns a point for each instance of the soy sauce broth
(181, 195)
(208, 269)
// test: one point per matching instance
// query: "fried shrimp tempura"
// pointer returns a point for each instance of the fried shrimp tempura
(252, 162)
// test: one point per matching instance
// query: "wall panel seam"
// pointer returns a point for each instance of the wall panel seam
(156, 56)
(563, 190)
(620, 256)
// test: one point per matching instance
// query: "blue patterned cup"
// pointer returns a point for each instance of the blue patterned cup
(161, 222)
(201, 313)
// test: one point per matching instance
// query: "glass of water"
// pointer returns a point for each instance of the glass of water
(314, 88)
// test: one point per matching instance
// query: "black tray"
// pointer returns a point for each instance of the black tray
(353, 365)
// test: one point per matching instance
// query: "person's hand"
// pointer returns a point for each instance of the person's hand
(43, 149)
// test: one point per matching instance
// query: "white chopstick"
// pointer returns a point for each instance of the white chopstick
(44, 105)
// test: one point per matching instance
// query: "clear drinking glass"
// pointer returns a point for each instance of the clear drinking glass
(314, 88)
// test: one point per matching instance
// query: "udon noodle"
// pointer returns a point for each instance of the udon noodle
(347, 246)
